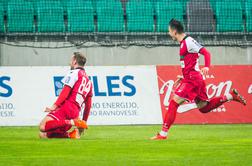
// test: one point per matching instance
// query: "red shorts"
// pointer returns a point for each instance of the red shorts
(65, 112)
(192, 90)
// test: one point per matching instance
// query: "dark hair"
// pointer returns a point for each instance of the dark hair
(80, 58)
(177, 25)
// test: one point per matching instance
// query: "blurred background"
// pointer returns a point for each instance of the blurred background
(121, 32)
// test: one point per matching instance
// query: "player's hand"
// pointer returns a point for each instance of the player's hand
(179, 78)
(205, 70)
(50, 109)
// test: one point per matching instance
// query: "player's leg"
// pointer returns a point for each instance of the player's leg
(58, 119)
(184, 92)
(50, 124)
(215, 102)
(236, 96)
(53, 128)
(57, 123)
(53, 134)
(169, 118)
(61, 133)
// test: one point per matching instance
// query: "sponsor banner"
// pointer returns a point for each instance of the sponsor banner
(121, 95)
(220, 80)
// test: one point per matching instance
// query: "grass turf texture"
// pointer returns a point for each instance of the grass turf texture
(129, 145)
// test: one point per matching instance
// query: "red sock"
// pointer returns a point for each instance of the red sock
(57, 135)
(54, 124)
(213, 103)
(170, 115)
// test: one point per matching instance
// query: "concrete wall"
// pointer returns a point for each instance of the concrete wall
(23, 56)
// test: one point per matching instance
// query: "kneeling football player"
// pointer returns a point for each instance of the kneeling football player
(64, 113)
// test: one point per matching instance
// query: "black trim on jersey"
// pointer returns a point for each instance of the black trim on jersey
(81, 68)
(185, 37)
(201, 48)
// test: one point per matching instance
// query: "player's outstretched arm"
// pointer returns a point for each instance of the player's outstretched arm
(207, 57)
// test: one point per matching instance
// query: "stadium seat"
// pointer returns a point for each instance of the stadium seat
(4, 4)
(213, 4)
(165, 11)
(248, 9)
(64, 4)
(184, 5)
(50, 16)
(200, 16)
(110, 16)
(229, 16)
(20, 16)
(80, 14)
(140, 16)
(2, 27)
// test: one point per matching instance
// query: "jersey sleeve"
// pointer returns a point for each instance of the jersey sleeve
(70, 79)
(207, 56)
(193, 46)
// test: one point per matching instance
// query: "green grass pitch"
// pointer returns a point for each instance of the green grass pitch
(130, 145)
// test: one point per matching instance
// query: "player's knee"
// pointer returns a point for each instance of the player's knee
(203, 110)
(42, 135)
(42, 127)
(178, 99)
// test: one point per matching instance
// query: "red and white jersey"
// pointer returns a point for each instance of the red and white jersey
(189, 57)
(80, 84)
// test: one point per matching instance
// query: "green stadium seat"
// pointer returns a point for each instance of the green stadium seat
(184, 5)
(165, 11)
(64, 4)
(80, 15)
(248, 11)
(229, 16)
(4, 4)
(2, 27)
(34, 3)
(110, 16)
(20, 16)
(50, 16)
(140, 16)
(213, 3)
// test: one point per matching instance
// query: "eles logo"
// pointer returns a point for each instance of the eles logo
(115, 86)
(5, 89)
(115, 89)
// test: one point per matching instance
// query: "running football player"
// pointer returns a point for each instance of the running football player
(192, 86)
